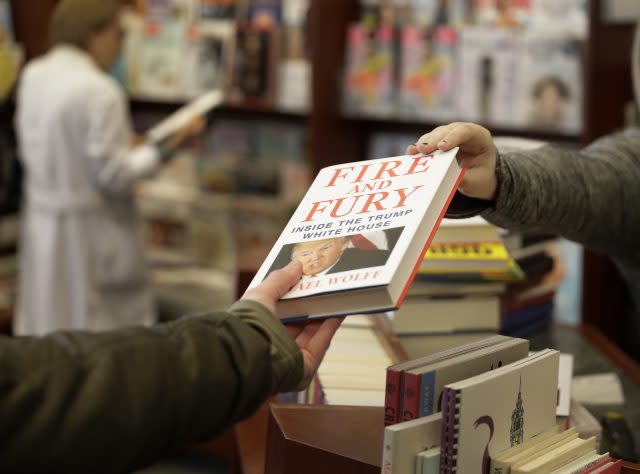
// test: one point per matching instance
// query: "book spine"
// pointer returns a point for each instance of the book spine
(449, 441)
(387, 453)
(499, 467)
(391, 397)
(427, 394)
(410, 397)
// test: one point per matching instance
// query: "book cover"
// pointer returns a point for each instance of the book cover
(403, 441)
(489, 413)
(429, 380)
(360, 233)
(254, 66)
(394, 373)
(550, 81)
(427, 73)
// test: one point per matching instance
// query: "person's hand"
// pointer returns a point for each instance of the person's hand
(477, 154)
(188, 131)
(312, 337)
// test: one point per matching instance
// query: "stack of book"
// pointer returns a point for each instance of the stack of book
(514, 64)
(485, 408)
(254, 50)
(456, 296)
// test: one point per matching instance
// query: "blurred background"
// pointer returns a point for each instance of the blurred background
(311, 83)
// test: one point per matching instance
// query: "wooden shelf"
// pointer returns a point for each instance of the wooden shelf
(245, 111)
(417, 125)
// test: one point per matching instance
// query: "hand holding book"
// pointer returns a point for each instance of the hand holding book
(477, 154)
(312, 337)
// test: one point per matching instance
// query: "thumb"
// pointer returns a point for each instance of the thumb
(279, 282)
(275, 285)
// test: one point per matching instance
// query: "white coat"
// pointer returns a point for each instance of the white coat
(81, 255)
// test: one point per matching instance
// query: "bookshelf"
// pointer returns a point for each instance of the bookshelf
(335, 138)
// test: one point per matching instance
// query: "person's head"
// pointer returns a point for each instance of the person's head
(550, 93)
(318, 255)
(91, 25)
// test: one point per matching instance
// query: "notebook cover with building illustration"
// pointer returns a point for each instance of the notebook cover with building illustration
(489, 413)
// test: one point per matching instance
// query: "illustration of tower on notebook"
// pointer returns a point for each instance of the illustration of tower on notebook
(517, 420)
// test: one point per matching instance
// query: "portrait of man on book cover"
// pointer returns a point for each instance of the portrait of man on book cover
(339, 254)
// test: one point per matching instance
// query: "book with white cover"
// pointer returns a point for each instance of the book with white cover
(486, 414)
(361, 232)
(184, 115)
(403, 441)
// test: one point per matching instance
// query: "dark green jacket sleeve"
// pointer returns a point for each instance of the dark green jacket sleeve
(110, 402)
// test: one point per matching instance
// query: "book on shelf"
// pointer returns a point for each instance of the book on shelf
(541, 442)
(425, 315)
(361, 232)
(488, 413)
(421, 387)
(394, 373)
(466, 257)
(403, 441)
(253, 69)
(469, 230)
(428, 461)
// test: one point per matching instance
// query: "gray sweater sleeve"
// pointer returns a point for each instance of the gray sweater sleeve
(590, 196)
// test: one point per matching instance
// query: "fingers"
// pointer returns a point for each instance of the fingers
(275, 285)
(280, 281)
(428, 143)
(318, 339)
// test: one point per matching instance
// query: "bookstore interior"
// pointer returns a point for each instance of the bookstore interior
(502, 349)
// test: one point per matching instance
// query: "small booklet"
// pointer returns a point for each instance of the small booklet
(361, 233)
(184, 115)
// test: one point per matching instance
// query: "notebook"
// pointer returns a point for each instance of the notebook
(489, 413)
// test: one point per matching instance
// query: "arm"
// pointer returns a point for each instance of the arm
(109, 402)
(588, 196)
(117, 157)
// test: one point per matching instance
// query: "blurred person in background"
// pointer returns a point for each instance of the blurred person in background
(81, 255)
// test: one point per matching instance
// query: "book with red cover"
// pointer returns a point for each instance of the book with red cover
(361, 232)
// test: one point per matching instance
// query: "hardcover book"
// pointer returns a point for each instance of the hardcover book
(361, 232)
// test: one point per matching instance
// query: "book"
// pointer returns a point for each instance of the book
(428, 461)
(556, 458)
(184, 115)
(420, 315)
(501, 463)
(421, 345)
(473, 229)
(489, 413)
(422, 386)
(550, 71)
(394, 372)
(403, 441)
(397, 202)
(583, 463)
(253, 73)
(465, 257)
